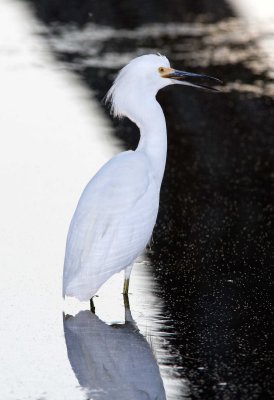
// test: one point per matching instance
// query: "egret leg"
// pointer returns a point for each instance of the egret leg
(126, 302)
(126, 281)
(129, 321)
(92, 306)
(126, 286)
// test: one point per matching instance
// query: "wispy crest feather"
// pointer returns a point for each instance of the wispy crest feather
(111, 94)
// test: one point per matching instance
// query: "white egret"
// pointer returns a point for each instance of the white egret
(117, 211)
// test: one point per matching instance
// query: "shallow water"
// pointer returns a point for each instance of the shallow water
(201, 297)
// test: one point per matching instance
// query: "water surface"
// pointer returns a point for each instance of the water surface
(201, 298)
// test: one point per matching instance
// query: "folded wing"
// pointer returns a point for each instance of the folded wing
(112, 223)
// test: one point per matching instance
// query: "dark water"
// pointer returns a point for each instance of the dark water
(213, 244)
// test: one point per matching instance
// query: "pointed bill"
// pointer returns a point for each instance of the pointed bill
(192, 79)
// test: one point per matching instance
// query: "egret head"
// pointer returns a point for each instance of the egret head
(143, 77)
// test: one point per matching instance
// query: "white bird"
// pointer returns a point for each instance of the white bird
(117, 211)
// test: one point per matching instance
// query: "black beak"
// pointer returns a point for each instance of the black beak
(197, 80)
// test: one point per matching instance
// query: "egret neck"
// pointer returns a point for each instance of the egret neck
(153, 136)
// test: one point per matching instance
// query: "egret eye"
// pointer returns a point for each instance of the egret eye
(161, 70)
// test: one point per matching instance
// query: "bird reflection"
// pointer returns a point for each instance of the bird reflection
(112, 361)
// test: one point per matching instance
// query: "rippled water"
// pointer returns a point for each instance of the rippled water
(205, 45)
(201, 298)
(106, 341)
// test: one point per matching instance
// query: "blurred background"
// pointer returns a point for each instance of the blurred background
(203, 294)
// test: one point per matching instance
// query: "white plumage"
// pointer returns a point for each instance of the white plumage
(117, 211)
(106, 232)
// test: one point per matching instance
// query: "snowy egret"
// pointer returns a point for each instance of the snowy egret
(117, 210)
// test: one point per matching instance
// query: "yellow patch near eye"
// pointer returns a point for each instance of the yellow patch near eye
(164, 72)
